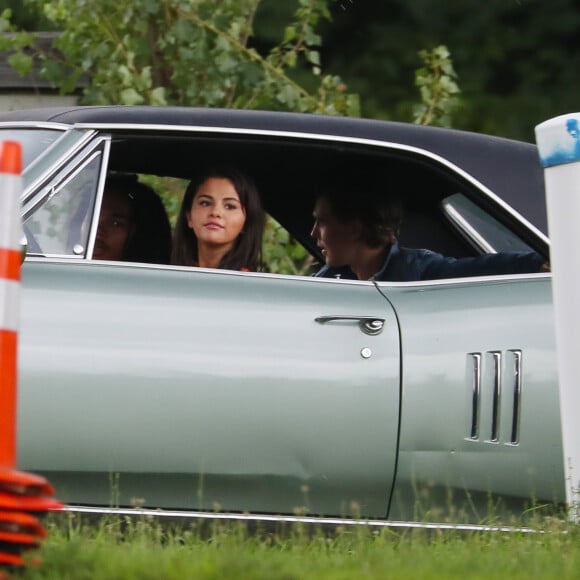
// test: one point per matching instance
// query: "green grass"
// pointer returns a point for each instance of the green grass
(142, 548)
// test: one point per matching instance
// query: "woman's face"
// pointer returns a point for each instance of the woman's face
(217, 216)
(335, 239)
(115, 226)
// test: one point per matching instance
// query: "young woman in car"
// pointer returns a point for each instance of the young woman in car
(220, 223)
(133, 223)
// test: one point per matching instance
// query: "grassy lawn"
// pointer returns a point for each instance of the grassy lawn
(142, 548)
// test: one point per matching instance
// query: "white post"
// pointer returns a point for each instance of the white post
(558, 142)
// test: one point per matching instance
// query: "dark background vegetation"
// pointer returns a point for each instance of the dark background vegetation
(518, 61)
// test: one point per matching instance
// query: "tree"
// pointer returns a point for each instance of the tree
(186, 52)
(517, 59)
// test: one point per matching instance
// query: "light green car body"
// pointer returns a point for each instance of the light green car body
(212, 390)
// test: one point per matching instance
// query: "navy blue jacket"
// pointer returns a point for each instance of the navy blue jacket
(411, 265)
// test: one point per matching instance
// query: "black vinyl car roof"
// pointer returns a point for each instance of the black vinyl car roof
(511, 169)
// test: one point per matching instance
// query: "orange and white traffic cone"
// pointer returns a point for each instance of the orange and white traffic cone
(24, 497)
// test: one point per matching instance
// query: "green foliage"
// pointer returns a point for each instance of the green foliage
(436, 82)
(170, 189)
(518, 60)
(283, 254)
(10, 38)
(510, 80)
(187, 52)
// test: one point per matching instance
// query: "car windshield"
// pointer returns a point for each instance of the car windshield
(33, 141)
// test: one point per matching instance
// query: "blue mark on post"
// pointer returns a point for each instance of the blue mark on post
(559, 141)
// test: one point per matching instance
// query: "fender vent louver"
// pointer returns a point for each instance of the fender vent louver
(494, 376)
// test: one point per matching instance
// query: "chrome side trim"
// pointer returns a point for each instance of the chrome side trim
(284, 519)
(475, 394)
(34, 125)
(314, 279)
(496, 398)
(517, 401)
(492, 396)
(106, 150)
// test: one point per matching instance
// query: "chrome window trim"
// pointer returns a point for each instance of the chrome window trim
(35, 125)
(478, 280)
(106, 141)
(55, 258)
(461, 223)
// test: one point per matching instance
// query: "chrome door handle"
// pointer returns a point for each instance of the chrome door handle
(368, 324)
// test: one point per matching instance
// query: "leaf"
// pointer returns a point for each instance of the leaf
(290, 58)
(313, 57)
(287, 95)
(131, 97)
(21, 63)
(311, 38)
(289, 34)
(157, 96)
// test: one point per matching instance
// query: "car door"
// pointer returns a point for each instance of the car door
(211, 389)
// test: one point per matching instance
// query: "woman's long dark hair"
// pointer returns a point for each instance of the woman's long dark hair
(150, 240)
(247, 249)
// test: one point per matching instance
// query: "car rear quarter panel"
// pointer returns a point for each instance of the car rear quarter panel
(441, 466)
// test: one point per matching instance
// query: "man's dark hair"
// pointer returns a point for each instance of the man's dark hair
(365, 199)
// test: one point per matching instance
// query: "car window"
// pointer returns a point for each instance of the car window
(34, 141)
(60, 227)
(287, 172)
(282, 253)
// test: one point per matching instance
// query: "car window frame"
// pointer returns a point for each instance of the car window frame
(70, 165)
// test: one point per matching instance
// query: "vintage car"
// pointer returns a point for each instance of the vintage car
(259, 392)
